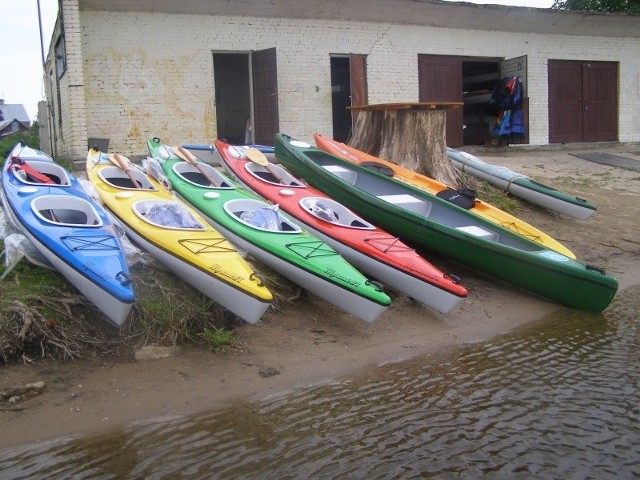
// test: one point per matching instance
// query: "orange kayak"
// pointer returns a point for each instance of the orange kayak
(433, 186)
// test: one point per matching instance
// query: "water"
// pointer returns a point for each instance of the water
(557, 400)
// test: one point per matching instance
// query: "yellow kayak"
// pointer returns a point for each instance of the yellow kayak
(432, 186)
(177, 236)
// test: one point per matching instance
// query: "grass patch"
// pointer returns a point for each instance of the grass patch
(491, 195)
(217, 338)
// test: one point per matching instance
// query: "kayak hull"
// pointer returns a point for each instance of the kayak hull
(522, 186)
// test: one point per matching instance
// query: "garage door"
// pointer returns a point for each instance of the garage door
(583, 101)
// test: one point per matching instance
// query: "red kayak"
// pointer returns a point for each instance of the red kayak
(366, 246)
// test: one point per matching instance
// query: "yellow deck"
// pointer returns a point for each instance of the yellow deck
(205, 249)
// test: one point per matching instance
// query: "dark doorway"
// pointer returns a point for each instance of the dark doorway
(233, 97)
(583, 101)
(340, 98)
(246, 96)
(348, 88)
(470, 80)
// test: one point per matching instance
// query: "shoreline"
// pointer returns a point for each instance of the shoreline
(310, 342)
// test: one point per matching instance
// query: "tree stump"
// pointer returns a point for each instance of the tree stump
(410, 135)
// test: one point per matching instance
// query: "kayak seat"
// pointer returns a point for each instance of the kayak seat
(266, 176)
(121, 182)
(479, 232)
(269, 177)
(345, 174)
(285, 227)
(465, 198)
(118, 178)
(199, 179)
(40, 173)
(65, 215)
(408, 202)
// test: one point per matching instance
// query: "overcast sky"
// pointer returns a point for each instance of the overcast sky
(20, 52)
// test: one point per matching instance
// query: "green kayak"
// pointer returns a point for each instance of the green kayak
(270, 236)
(427, 221)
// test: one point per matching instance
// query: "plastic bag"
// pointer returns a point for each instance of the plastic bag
(17, 247)
(154, 170)
(171, 214)
(322, 211)
(266, 218)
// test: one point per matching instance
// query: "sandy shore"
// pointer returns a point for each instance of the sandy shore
(310, 341)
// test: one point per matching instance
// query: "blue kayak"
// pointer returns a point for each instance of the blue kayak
(46, 203)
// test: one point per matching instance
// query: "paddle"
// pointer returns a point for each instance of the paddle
(189, 157)
(124, 163)
(256, 156)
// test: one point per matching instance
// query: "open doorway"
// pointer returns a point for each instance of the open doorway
(233, 97)
(246, 96)
(340, 97)
(470, 81)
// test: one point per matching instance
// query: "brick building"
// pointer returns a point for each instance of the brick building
(193, 70)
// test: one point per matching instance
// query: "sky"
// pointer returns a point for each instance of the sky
(20, 52)
(20, 46)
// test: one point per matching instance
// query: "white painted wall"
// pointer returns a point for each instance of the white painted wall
(151, 74)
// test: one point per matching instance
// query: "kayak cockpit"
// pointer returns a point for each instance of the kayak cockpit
(38, 172)
(66, 210)
(202, 175)
(260, 215)
(275, 175)
(329, 210)
(118, 178)
(166, 214)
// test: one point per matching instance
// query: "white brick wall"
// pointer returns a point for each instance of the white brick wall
(151, 74)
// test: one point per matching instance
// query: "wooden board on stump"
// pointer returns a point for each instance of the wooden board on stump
(409, 134)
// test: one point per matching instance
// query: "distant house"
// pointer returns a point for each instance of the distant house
(194, 70)
(13, 119)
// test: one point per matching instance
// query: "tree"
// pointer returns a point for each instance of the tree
(605, 6)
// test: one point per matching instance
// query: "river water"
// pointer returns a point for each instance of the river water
(559, 399)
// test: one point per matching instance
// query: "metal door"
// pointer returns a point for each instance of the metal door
(265, 95)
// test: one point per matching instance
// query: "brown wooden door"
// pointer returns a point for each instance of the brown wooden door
(265, 96)
(600, 101)
(440, 80)
(565, 101)
(583, 101)
(358, 82)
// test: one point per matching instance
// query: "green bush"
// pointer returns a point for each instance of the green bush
(30, 138)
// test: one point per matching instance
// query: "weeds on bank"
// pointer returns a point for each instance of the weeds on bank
(498, 198)
(217, 338)
(43, 316)
(168, 312)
